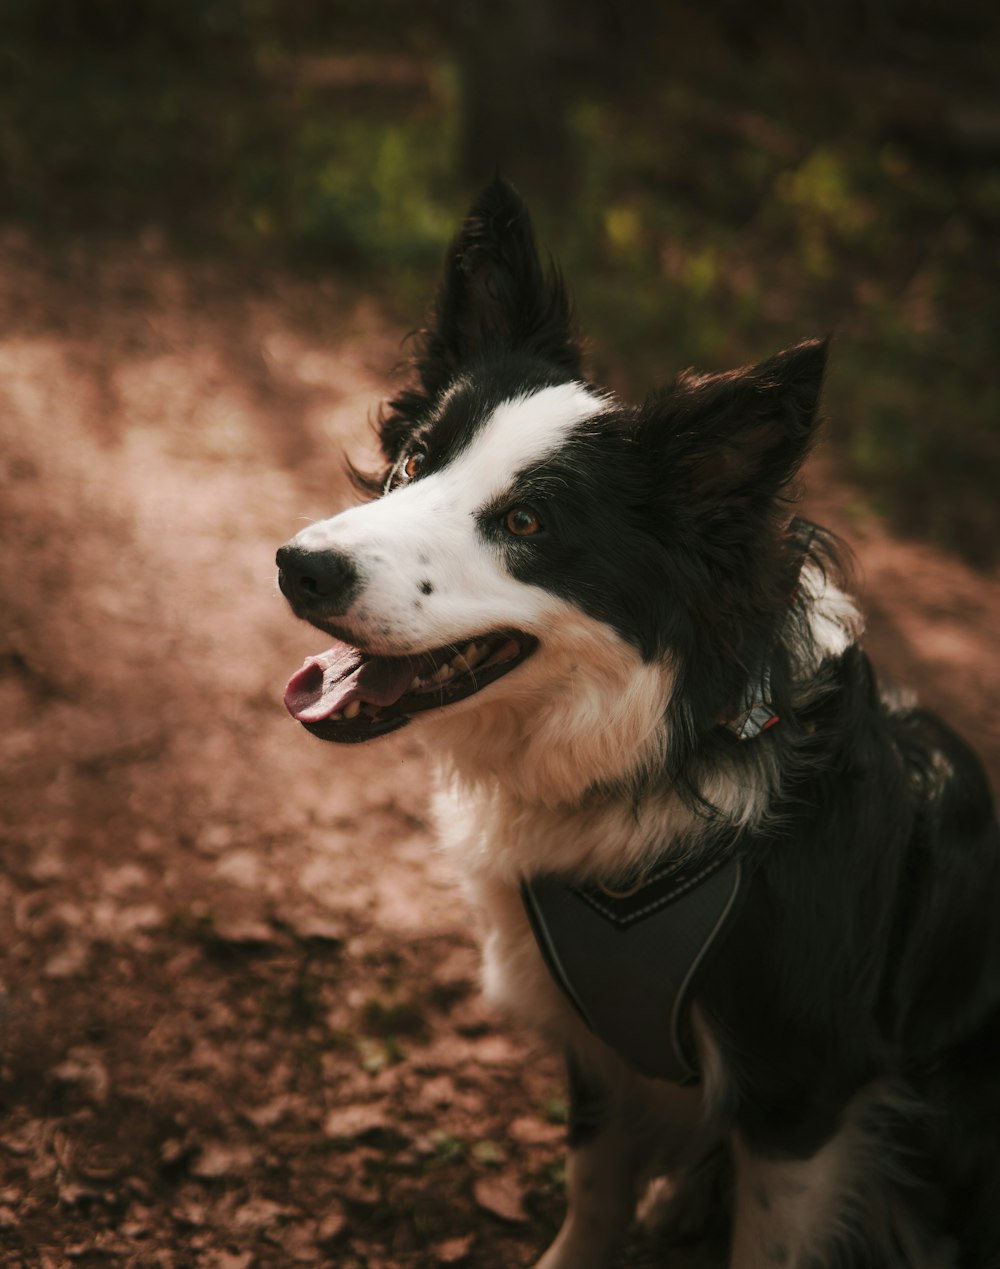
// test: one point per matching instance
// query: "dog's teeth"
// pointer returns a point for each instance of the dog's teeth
(337, 717)
(352, 710)
(461, 663)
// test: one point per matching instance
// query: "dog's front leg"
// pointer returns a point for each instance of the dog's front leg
(602, 1174)
(788, 1211)
(611, 1141)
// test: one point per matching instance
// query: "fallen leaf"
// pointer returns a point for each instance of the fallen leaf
(536, 1132)
(496, 1050)
(299, 1243)
(189, 1211)
(314, 929)
(214, 838)
(70, 962)
(453, 1250)
(437, 1092)
(217, 1160)
(273, 1112)
(259, 1212)
(73, 1192)
(333, 1224)
(125, 877)
(227, 1260)
(502, 1196)
(138, 917)
(48, 865)
(243, 931)
(356, 1121)
(173, 1150)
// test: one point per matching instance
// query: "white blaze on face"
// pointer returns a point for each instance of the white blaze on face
(428, 574)
(522, 432)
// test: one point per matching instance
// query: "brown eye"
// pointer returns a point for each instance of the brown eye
(413, 463)
(522, 522)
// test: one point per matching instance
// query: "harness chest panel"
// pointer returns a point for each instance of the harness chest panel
(629, 962)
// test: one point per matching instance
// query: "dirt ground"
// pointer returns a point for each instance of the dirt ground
(239, 1021)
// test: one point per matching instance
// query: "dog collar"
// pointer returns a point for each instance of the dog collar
(756, 713)
(629, 961)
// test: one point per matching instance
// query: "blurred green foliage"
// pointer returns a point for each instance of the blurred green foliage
(728, 188)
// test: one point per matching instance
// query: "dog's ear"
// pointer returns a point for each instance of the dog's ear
(741, 436)
(496, 296)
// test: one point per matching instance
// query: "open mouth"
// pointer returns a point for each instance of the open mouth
(347, 695)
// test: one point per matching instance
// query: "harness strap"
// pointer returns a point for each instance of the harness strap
(629, 962)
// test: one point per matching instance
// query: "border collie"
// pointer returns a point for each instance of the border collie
(754, 898)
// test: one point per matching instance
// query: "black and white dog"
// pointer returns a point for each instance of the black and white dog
(756, 900)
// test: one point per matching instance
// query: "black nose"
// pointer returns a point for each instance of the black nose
(317, 583)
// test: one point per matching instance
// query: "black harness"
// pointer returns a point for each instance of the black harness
(629, 961)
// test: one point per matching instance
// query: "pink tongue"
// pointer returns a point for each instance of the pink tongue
(332, 680)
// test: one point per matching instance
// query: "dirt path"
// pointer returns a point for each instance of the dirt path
(238, 1018)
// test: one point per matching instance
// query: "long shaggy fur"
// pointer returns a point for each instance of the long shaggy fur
(629, 581)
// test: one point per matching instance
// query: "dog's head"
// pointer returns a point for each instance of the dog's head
(538, 546)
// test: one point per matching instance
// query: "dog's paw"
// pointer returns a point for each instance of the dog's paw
(691, 1210)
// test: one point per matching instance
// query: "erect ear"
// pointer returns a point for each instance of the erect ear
(743, 435)
(496, 297)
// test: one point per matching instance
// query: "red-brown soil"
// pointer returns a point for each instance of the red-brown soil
(239, 1023)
